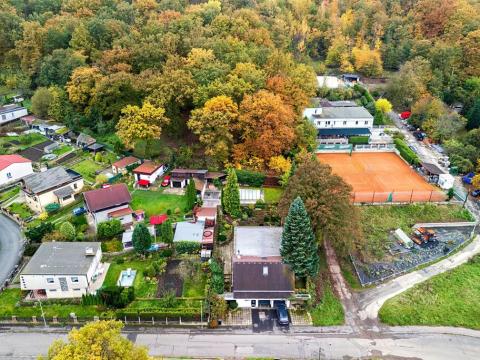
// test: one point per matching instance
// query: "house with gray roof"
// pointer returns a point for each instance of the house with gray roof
(64, 270)
(336, 124)
(259, 277)
(56, 185)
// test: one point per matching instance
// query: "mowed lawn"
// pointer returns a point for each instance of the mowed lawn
(449, 299)
(272, 194)
(87, 169)
(156, 203)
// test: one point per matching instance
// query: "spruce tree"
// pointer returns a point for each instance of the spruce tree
(141, 239)
(231, 195)
(166, 232)
(299, 248)
(191, 194)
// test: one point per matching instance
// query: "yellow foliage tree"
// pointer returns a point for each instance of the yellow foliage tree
(82, 83)
(279, 164)
(476, 181)
(140, 123)
(367, 61)
(383, 105)
(99, 340)
(213, 124)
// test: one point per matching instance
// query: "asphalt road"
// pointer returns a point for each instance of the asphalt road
(400, 343)
(10, 247)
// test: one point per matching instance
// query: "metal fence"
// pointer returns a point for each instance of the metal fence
(404, 197)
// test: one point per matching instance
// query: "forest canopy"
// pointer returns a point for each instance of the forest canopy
(230, 63)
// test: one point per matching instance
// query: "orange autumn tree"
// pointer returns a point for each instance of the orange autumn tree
(265, 127)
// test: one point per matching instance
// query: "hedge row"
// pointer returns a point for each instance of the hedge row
(406, 152)
(358, 140)
(184, 313)
(250, 178)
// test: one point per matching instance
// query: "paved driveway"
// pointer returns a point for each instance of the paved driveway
(10, 247)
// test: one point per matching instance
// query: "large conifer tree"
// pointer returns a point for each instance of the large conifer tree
(299, 248)
(231, 195)
(191, 194)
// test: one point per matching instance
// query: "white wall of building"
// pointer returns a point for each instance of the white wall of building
(78, 285)
(343, 123)
(152, 177)
(14, 172)
(247, 303)
(13, 115)
(101, 216)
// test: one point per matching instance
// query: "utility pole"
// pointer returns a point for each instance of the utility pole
(201, 314)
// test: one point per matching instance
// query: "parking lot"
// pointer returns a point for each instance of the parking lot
(264, 320)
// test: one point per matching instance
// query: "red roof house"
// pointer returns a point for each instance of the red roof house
(13, 168)
(122, 164)
(148, 172)
(107, 203)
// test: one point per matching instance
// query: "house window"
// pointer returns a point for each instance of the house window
(366, 122)
(344, 123)
(253, 303)
(356, 122)
(52, 290)
(74, 279)
(67, 197)
(9, 175)
(327, 122)
(75, 186)
(50, 280)
(4, 117)
(76, 289)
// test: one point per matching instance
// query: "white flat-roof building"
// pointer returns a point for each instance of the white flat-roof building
(11, 112)
(64, 270)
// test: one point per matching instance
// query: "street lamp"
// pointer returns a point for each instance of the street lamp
(201, 314)
(43, 314)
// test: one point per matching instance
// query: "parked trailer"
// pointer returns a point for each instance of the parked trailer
(403, 238)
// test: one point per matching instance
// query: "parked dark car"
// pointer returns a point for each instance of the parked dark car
(79, 211)
(475, 193)
(467, 179)
(282, 314)
(419, 135)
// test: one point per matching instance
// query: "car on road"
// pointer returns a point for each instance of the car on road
(166, 181)
(79, 211)
(475, 193)
(282, 314)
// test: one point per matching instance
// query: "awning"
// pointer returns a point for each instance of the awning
(432, 168)
(158, 219)
(143, 182)
(120, 212)
(344, 132)
(63, 192)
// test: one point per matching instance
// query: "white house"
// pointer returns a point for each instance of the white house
(55, 185)
(64, 270)
(121, 166)
(108, 203)
(259, 278)
(13, 168)
(147, 173)
(340, 121)
(11, 112)
(330, 82)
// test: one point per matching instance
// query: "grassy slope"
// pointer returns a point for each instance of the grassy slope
(87, 169)
(329, 310)
(272, 195)
(448, 299)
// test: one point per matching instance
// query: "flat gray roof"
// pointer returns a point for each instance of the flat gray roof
(61, 258)
(187, 231)
(259, 241)
(337, 112)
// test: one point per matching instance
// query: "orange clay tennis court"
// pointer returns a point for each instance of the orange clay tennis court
(381, 177)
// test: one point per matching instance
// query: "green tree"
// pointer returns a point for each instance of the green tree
(191, 194)
(327, 199)
(108, 229)
(141, 239)
(231, 195)
(96, 340)
(299, 248)
(41, 101)
(166, 232)
(68, 231)
(473, 115)
(57, 68)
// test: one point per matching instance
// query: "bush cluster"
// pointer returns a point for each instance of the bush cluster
(250, 178)
(187, 247)
(406, 152)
